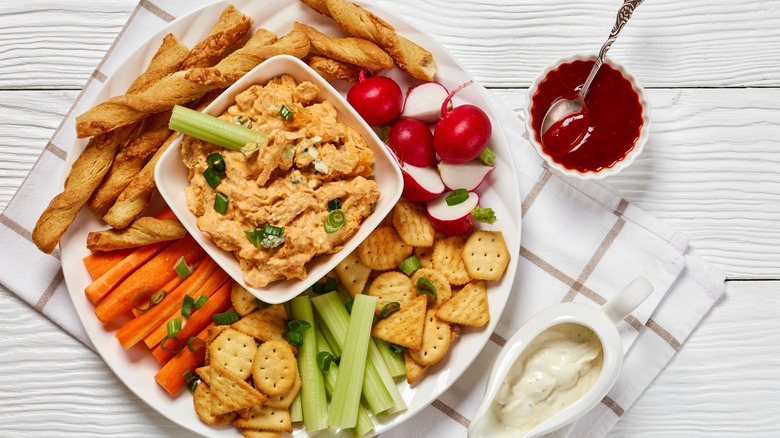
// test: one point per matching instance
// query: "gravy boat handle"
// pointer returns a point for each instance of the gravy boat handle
(625, 301)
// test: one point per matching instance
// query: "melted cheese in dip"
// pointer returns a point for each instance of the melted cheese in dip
(287, 182)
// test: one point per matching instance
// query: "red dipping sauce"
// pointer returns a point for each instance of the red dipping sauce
(614, 116)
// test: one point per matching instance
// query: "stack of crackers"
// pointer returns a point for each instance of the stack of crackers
(457, 266)
(250, 377)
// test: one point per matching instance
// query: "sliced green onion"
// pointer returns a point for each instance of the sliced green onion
(286, 113)
(297, 325)
(334, 221)
(176, 349)
(200, 302)
(213, 129)
(174, 326)
(216, 162)
(410, 265)
(389, 308)
(395, 349)
(334, 204)
(225, 318)
(487, 157)
(324, 359)
(485, 215)
(271, 230)
(159, 296)
(192, 380)
(138, 302)
(187, 305)
(348, 306)
(295, 338)
(211, 178)
(424, 286)
(324, 287)
(195, 343)
(221, 202)
(457, 196)
(182, 268)
(267, 237)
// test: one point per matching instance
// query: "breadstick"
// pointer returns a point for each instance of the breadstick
(331, 69)
(231, 28)
(168, 59)
(360, 23)
(144, 231)
(184, 86)
(355, 51)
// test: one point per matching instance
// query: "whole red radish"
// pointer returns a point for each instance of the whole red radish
(452, 219)
(462, 133)
(412, 142)
(377, 99)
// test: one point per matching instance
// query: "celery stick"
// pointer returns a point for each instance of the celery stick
(313, 399)
(346, 395)
(364, 422)
(212, 129)
(387, 380)
(394, 364)
(323, 328)
(375, 390)
(296, 409)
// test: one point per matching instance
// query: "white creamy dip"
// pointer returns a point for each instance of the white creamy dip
(557, 368)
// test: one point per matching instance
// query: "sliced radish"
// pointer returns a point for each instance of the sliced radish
(452, 220)
(466, 176)
(424, 101)
(421, 184)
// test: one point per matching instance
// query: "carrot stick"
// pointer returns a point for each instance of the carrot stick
(169, 286)
(170, 377)
(218, 302)
(213, 281)
(135, 330)
(153, 275)
(98, 263)
(101, 287)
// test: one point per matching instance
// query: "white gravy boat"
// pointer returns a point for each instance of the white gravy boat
(601, 321)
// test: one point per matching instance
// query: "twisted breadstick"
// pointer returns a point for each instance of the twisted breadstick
(355, 51)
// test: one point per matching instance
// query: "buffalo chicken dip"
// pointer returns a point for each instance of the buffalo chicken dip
(303, 192)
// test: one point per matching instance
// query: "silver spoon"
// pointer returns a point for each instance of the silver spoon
(565, 107)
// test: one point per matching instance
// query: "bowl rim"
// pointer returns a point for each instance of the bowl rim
(283, 290)
(605, 172)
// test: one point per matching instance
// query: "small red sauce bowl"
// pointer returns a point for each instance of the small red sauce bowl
(619, 117)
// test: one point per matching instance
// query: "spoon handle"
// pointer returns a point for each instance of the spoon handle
(624, 13)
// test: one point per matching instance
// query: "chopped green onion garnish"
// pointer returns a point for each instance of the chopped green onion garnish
(383, 132)
(176, 347)
(267, 237)
(334, 221)
(457, 196)
(424, 286)
(211, 178)
(225, 318)
(139, 301)
(192, 380)
(286, 113)
(324, 287)
(348, 305)
(221, 201)
(295, 338)
(324, 359)
(389, 308)
(195, 343)
(216, 162)
(213, 129)
(297, 325)
(186, 306)
(395, 349)
(182, 268)
(410, 265)
(200, 302)
(487, 157)
(334, 204)
(159, 296)
(174, 326)
(271, 230)
(485, 215)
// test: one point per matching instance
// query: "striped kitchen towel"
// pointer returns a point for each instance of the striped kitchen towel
(580, 242)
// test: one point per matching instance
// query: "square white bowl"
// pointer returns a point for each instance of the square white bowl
(171, 179)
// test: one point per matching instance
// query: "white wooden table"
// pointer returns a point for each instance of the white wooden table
(710, 169)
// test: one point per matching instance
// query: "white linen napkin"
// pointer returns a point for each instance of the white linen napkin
(580, 242)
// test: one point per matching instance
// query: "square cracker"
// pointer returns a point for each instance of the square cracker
(266, 418)
(383, 249)
(405, 326)
(412, 224)
(413, 369)
(243, 302)
(353, 274)
(447, 258)
(468, 306)
(261, 325)
(202, 402)
(485, 255)
(285, 400)
(254, 433)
